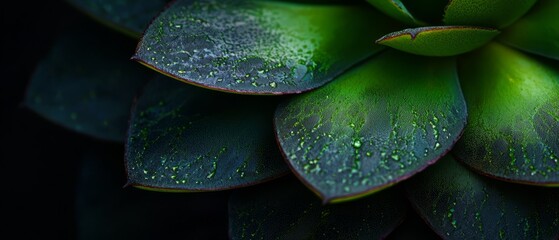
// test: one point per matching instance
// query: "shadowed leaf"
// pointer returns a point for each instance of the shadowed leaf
(538, 31)
(184, 138)
(86, 83)
(395, 9)
(459, 204)
(373, 126)
(128, 16)
(287, 210)
(259, 47)
(513, 122)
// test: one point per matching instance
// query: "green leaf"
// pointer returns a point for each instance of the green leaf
(438, 41)
(183, 138)
(287, 210)
(459, 204)
(373, 126)
(487, 13)
(396, 10)
(513, 121)
(538, 31)
(86, 83)
(128, 16)
(259, 47)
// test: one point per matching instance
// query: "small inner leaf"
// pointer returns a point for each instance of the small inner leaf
(438, 41)
(373, 126)
(459, 204)
(538, 31)
(487, 13)
(183, 138)
(287, 210)
(128, 16)
(395, 9)
(513, 102)
(259, 47)
(87, 89)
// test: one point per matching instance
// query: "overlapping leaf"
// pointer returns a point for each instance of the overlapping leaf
(538, 31)
(128, 16)
(87, 84)
(259, 47)
(373, 126)
(494, 13)
(184, 138)
(459, 204)
(438, 41)
(513, 122)
(287, 210)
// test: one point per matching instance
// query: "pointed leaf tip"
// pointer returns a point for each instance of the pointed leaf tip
(373, 126)
(259, 47)
(438, 41)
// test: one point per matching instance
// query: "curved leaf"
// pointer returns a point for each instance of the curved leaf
(487, 13)
(374, 126)
(513, 122)
(396, 10)
(459, 204)
(69, 89)
(287, 210)
(128, 16)
(183, 138)
(538, 31)
(259, 47)
(438, 41)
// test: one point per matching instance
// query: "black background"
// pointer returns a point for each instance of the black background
(41, 163)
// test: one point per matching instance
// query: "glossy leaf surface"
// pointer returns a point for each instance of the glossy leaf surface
(288, 210)
(438, 41)
(395, 9)
(486, 13)
(538, 31)
(513, 122)
(87, 84)
(184, 138)
(373, 126)
(128, 16)
(259, 47)
(459, 204)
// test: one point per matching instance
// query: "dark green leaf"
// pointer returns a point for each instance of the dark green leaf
(396, 10)
(104, 210)
(259, 47)
(128, 16)
(513, 122)
(431, 11)
(413, 228)
(487, 13)
(287, 210)
(87, 83)
(538, 31)
(438, 41)
(459, 204)
(183, 138)
(373, 126)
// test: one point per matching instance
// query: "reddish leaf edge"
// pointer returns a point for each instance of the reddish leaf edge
(354, 196)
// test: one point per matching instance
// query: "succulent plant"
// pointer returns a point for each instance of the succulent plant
(351, 98)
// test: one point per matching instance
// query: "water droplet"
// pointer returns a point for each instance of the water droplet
(357, 143)
(273, 84)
